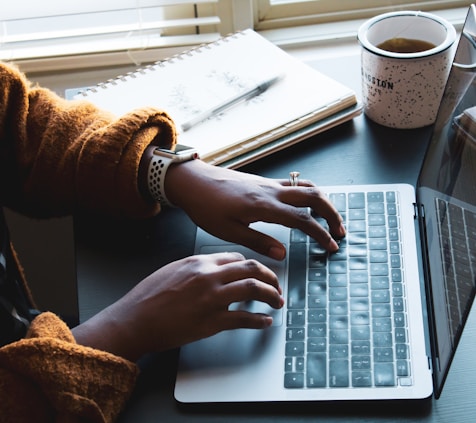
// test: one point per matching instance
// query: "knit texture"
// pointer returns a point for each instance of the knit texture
(63, 379)
(58, 157)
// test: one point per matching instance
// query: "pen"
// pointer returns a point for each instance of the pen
(252, 92)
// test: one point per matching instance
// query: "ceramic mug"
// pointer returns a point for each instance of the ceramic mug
(405, 60)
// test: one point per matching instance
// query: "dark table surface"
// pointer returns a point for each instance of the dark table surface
(113, 256)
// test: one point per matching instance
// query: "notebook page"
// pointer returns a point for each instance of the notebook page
(203, 78)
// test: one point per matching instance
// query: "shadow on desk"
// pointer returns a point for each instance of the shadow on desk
(357, 152)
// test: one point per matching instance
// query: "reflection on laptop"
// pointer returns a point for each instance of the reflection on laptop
(355, 324)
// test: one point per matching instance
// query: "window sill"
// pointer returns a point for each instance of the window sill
(337, 39)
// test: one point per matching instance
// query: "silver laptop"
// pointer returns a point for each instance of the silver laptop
(380, 319)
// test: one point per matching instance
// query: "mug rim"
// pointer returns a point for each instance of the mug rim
(447, 43)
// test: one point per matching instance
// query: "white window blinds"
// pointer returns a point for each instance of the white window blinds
(57, 34)
(56, 28)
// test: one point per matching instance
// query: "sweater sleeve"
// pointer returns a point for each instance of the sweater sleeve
(59, 156)
(47, 377)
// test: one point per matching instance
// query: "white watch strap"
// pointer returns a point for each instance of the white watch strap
(156, 176)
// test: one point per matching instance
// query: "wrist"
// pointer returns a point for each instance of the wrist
(143, 183)
(158, 167)
(105, 332)
(181, 179)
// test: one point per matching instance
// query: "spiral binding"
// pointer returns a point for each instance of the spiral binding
(159, 64)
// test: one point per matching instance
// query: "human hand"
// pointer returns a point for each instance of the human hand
(182, 302)
(225, 202)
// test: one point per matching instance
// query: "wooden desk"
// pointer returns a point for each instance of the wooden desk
(111, 259)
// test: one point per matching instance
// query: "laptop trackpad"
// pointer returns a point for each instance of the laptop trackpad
(277, 267)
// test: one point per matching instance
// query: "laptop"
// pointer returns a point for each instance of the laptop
(380, 319)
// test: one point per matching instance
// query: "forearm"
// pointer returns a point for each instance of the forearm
(111, 331)
(59, 156)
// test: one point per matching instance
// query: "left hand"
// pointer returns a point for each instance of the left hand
(182, 302)
(224, 202)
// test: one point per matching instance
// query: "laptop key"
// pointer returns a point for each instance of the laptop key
(357, 226)
(317, 344)
(316, 316)
(401, 351)
(361, 364)
(357, 214)
(356, 200)
(339, 200)
(390, 196)
(403, 368)
(361, 379)
(339, 373)
(400, 335)
(376, 208)
(378, 244)
(294, 348)
(316, 370)
(393, 234)
(294, 380)
(375, 197)
(384, 374)
(360, 333)
(297, 276)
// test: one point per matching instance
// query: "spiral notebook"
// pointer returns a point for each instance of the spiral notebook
(301, 103)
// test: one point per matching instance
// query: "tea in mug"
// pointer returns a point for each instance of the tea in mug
(405, 45)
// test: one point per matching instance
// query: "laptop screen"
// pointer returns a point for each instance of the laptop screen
(447, 194)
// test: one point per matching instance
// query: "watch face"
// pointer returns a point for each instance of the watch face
(180, 154)
(182, 149)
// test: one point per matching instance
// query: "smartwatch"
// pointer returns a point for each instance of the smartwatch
(161, 160)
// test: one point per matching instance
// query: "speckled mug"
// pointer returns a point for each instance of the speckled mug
(403, 90)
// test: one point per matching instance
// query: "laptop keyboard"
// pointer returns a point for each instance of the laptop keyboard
(346, 321)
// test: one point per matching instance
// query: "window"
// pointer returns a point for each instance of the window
(54, 34)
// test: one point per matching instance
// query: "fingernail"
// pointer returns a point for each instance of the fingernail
(333, 246)
(342, 230)
(268, 321)
(277, 253)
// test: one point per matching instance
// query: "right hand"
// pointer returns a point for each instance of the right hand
(229, 201)
(182, 302)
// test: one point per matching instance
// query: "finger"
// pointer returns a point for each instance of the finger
(301, 182)
(248, 269)
(312, 197)
(258, 241)
(252, 290)
(306, 194)
(293, 217)
(309, 225)
(244, 319)
(226, 257)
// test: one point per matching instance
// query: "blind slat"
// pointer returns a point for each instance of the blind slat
(90, 28)
(112, 29)
(31, 9)
(127, 44)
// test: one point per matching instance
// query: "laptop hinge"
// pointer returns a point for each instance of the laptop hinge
(418, 211)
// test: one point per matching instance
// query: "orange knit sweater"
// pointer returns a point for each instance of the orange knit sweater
(58, 157)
